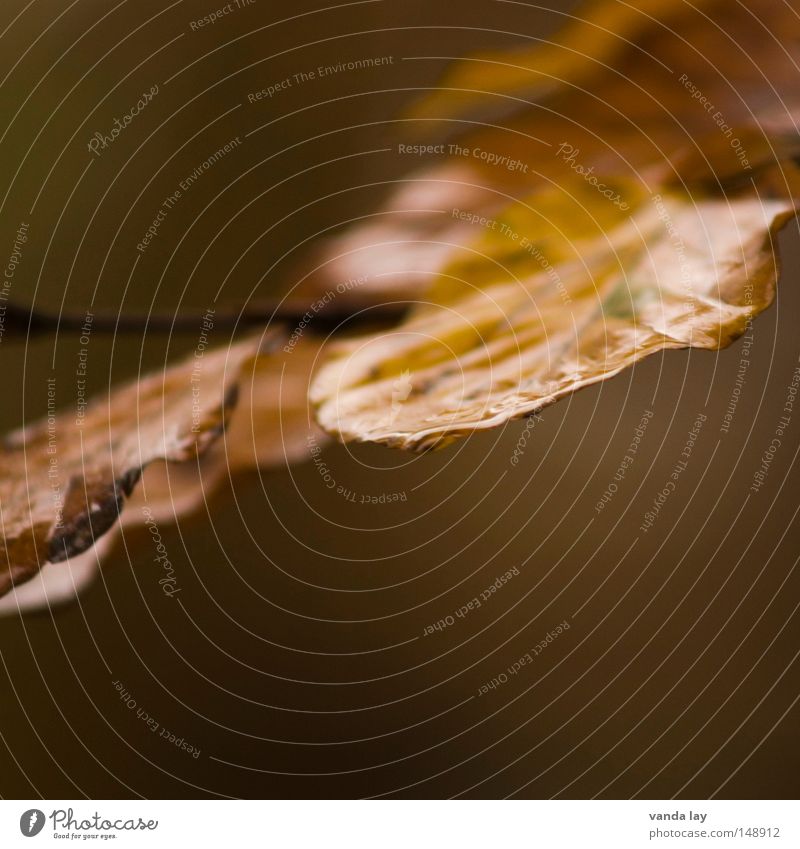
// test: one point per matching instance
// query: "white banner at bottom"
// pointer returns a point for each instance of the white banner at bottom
(404, 823)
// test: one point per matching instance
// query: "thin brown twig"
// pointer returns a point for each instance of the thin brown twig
(22, 321)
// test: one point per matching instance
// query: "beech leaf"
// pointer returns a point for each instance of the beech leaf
(627, 204)
(66, 478)
(583, 203)
(254, 389)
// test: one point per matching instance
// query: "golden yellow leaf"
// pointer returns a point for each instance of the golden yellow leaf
(65, 478)
(586, 202)
(169, 427)
(628, 204)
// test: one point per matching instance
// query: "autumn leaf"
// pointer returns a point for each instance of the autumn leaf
(66, 478)
(587, 202)
(627, 205)
(255, 389)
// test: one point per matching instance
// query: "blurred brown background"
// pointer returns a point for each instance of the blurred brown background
(296, 661)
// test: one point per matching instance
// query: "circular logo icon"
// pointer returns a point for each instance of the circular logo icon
(31, 822)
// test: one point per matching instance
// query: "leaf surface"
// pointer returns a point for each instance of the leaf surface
(65, 479)
(621, 198)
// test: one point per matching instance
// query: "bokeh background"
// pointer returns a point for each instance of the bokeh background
(297, 660)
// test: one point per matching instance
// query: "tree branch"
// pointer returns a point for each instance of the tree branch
(22, 322)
